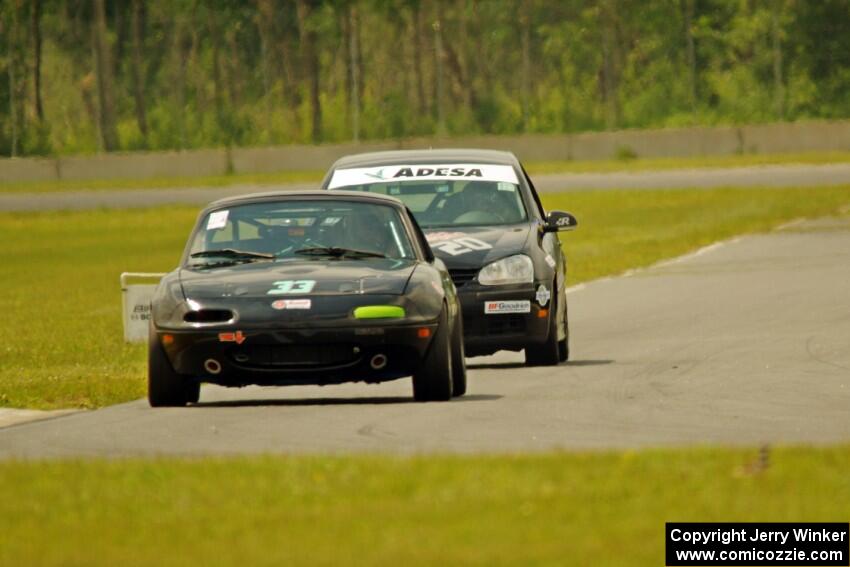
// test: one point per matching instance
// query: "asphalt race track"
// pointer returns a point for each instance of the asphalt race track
(705, 178)
(746, 342)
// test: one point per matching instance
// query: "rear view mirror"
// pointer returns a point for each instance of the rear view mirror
(559, 221)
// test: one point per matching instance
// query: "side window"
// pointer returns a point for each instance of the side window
(248, 231)
(541, 211)
(232, 234)
(223, 234)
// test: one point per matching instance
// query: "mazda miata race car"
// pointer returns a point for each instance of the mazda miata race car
(483, 218)
(305, 288)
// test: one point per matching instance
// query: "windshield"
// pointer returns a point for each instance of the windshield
(299, 229)
(464, 195)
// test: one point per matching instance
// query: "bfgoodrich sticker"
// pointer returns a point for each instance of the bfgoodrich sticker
(292, 304)
(491, 307)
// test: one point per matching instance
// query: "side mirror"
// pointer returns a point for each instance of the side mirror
(429, 255)
(559, 221)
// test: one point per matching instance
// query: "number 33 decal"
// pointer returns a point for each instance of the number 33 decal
(292, 287)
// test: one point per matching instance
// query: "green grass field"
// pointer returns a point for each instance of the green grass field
(552, 509)
(62, 343)
(588, 166)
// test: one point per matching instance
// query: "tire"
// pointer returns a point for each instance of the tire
(458, 360)
(166, 388)
(564, 345)
(432, 381)
(193, 391)
(547, 353)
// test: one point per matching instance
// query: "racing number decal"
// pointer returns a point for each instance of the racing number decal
(458, 246)
(292, 287)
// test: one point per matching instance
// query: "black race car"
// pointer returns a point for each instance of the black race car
(305, 288)
(482, 216)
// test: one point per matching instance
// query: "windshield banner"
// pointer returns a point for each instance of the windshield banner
(423, 172)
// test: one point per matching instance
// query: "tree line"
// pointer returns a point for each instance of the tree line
(82, 76)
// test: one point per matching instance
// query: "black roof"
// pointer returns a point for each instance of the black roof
(295, 195)
(442, 155)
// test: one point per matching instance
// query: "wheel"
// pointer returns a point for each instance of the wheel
(458, 360)
(546, 353)
(564, 345)
(432, 381)
(193, 391)
(166, 388)
(563, 350)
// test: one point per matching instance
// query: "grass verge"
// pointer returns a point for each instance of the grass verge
(534, 168)
(61, 342)
(551, 509)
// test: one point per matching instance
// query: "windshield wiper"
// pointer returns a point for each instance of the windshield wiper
(234, 254)
(218, 264)
(338, 252)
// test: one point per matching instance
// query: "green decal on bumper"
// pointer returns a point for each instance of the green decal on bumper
(379, 312)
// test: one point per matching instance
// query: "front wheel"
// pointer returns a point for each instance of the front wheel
(432, 381)
(166, 388)
(547, 353)
(564, 345)
(458, 360)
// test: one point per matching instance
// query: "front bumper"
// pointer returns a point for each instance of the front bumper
(297, 356)
(485, 333)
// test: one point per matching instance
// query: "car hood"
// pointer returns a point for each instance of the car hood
(331, 277)
(476, 246)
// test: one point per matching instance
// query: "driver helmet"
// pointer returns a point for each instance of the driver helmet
(480, 196)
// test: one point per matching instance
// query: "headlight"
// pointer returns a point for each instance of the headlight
(511, 270)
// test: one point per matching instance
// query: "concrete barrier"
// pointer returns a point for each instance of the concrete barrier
(671, 142)
(796, 137)
(141, 165)
(283, 158)
(531, 147)
(28, 169)
(144, 165)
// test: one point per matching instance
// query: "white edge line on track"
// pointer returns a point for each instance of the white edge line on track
(698, 252)
(14, 416)
(690, 255)
(660, 264)
(790, 224)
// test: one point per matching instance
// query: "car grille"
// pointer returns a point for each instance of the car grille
(462, 277)
(505, 324)
(295, 356)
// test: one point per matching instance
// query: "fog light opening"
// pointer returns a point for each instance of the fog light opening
(378, 362)
(212, 366)
(208, 316)
(423, 332)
